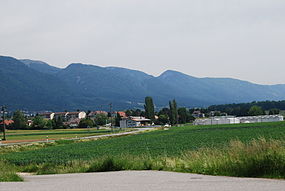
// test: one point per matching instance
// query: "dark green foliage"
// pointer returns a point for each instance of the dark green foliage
(255, 110)
(242, 109)
(164, 111)
(108, 164)
(117, 120)
(137, 112)
(20, 122)
(173, 113)
(86, 123)
(101, 119)
(162, 119)
(149, 108)
(39, 123)
(274, 111)
(58, 123)
(50, 124)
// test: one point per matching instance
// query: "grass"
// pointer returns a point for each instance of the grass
(171, 143)
(8, 172)
(252, 150)
(25, 135)
(258, 158)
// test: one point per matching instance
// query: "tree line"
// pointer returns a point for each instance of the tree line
(38, 122)
(169, 115)
(244, 109)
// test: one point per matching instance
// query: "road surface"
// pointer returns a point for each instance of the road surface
(141, 181)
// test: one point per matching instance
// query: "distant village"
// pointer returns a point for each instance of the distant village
(167, 116)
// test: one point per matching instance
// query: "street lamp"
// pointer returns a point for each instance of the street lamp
(3, 112)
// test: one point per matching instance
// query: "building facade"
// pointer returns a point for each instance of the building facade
(132, 121)
(234, 120)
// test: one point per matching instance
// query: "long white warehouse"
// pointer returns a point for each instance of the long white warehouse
(232, 120)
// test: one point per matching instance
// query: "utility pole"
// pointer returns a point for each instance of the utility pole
(4, 133)
(111, 116)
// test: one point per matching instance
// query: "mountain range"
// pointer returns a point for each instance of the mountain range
(37, 86)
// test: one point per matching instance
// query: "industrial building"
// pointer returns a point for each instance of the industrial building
(234, 120)
(133, 121)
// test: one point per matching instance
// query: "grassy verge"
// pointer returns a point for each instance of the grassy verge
(258, 158)
(8, 173)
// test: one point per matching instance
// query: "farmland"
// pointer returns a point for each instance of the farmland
(160, 145)
(42, 135)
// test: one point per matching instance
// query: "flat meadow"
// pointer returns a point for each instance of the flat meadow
(55, 134)
(252, 150)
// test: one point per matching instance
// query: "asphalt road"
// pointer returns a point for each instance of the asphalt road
(141, 181)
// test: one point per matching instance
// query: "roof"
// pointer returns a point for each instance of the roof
(97, 112)
(7, 122)
(73, 113)
(47, 113)
(139, 118)
(122, 113)
(60, 113)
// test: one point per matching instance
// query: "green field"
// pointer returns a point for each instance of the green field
(30, 135)
(152, 150)
(171, 142)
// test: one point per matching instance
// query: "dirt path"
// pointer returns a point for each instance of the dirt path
(141, 181)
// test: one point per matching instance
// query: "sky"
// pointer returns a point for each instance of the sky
(243, 39)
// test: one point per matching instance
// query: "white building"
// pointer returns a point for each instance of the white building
(233, 120)
(64, 115)
(134, 122)
(217, 120)
(261, 118)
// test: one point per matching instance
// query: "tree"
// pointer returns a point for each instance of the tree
(58, 123)
(163, 119)
(101, 119)
(182, 115)
(173, 114)
(86, 123)
(149, 108)
(117, 120)
(255, 110)
(129, 112)
(50, 124)
(164, 111)
(274, 111)
(38, 123)
(20, 122)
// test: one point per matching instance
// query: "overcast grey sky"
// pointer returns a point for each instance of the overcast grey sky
(243, 39)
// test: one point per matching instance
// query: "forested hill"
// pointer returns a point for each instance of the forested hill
(37, 86)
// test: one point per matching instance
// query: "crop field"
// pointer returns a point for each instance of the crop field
(37, 135)
(161, 143)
